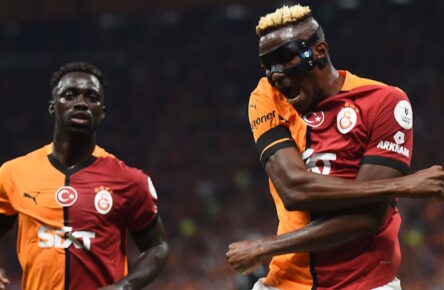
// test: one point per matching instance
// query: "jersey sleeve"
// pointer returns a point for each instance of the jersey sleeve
(6, 207)
(270, 131)
(141, 211)
(391, 133)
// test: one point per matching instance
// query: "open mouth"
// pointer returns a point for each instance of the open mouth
(293, 94)
(294, 100)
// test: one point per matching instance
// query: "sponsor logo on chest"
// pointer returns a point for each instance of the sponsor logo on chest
(32, 197)
(64, 237)
(395, 146)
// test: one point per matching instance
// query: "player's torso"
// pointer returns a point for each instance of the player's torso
(336, 141)
(338, 133)
(70, 222)
(336, 138)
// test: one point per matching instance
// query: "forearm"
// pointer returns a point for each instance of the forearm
(147, 267)
(321, 234)
(302, 190)
(314, 192)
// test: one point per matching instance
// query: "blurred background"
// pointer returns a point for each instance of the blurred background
(180, 75)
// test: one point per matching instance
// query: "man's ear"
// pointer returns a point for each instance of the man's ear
(103, 113)
(51, 108)
(320, 50)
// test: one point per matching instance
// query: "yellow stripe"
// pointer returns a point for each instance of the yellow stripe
(274, 143)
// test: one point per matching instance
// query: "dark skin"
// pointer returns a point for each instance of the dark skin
(350, 209)
(78, 107)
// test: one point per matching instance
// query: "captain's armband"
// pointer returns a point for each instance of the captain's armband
(273, 140)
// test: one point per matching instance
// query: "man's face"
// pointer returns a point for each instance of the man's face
(300, 90)
(78, 103)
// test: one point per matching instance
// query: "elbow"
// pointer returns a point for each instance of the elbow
(295, 195)
(159, 254)
(296, 201)
(163, 253)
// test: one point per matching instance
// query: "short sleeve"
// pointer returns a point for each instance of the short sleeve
(6, 207)
(391, 134)
(270, 131)
(141, 211)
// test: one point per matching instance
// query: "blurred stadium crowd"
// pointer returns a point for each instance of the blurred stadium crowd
(177, 107)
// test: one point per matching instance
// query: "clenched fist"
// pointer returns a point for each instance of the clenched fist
(245, 256)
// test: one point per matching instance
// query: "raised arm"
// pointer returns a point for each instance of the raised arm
(302, 190)
(279, 132)
(324, 232)
(153, 258)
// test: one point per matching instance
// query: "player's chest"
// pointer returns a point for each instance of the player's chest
(336, 139)
(75, 199)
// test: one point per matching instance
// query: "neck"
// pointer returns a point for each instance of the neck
(328, 82)
(71, 149)
(332, 82)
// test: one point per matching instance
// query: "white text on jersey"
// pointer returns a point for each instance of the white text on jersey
(393, 147)
(63, 238)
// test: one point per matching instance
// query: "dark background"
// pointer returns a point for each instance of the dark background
(180, 76)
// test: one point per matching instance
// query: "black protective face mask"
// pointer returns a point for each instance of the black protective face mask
(285, 53)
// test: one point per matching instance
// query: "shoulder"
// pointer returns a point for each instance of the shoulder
(263, 87)
(118, 169)
(381, 97)
(368, 88)
(387, 104)
(264, 103)
(25, 161)
(371, 94)
(264, 92)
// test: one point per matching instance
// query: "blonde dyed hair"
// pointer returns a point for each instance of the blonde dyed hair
(281, 17)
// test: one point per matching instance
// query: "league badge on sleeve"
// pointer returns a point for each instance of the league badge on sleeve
(404, 114)
(103, 200)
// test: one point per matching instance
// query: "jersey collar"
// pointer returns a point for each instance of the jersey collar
(350, 81)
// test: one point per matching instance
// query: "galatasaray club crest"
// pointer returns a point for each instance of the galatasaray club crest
(314, 119)
(103, 200)
(347, 118)
(66, 196)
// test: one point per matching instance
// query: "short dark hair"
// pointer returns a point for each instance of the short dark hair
(77, 66)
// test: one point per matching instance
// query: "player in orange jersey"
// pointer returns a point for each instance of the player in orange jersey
(75, 203)
(334, 233)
